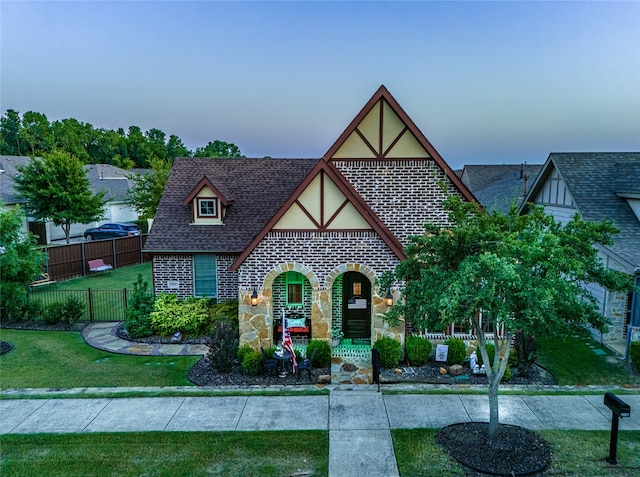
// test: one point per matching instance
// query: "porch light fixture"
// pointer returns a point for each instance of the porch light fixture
(254, 298)
(389, 298)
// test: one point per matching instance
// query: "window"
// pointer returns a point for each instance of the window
(207, 207)
(357, 289)
(295, 288)
(204, 272)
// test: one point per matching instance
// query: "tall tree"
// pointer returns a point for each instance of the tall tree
(147, 189)
(74, 137)
(57, 189)
(138, 147)
(20, 262)
(10, 125)
(218, 149)
(156, 143)
(521, 272)
(176, 148)
(36, 133)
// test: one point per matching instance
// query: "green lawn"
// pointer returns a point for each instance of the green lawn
(116, 279)
(50, 359)
(574, 362)
(171, 454)
(574, 453)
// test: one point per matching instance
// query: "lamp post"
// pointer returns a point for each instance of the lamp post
(389, 298)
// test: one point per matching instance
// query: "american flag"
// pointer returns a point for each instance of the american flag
(287, 344)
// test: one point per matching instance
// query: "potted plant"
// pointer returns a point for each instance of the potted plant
(336, 336)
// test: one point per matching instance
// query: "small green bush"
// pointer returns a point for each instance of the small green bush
(322, 358)
(53, 312)
(634, 354)
(243, 350)
(457, 351)
(390, 351)
(252, 363)
(223, 346)
(72, 309)
(169, 316)
(34, 310)
(227, 310)
(418, 350)
(138, 313)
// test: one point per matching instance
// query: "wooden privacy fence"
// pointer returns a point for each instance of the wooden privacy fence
(99, 305)
(68, 261)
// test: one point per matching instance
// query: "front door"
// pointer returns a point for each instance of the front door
(356, 306)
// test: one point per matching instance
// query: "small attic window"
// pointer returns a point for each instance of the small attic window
(207, 207)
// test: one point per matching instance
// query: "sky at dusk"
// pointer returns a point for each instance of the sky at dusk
(486, 82)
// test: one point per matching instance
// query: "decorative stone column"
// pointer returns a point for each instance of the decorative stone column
(255, 321)
(321, 315)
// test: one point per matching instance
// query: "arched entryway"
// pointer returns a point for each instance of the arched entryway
(356, 306)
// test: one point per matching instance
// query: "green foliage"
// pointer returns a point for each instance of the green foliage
(19, 263)
(418, 350)
(170, 315)
(226, 310)
(252, 363)
(146, 189)
(243, 351)
(53, 312)
(390, 351)
(57, 189)
(322, 358)
(457, 351)
(218, 149)
(525, 348)
(634, 354)
(223, 346)
(69, 310)
(138, 313)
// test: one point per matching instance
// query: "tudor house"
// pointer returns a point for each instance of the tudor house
(304, 235)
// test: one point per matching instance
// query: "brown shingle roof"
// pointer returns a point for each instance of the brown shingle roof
(258, 186)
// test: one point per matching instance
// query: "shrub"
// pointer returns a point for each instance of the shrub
(634, 354)
(322, 358)
(34, 310)
(243, 350)
(138, 313)
(72, 309)
(53, 312)
(223, 346)
(524, 352)
(252, 363)
(390, 351)
(457, 351)
(418, 350)
(169, 315)
(227, 310)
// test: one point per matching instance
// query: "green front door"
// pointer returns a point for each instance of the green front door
(356, 306)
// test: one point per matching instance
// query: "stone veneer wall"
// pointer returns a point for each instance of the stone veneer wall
(405, 194)
(616, 311)
(322, 257)
(174, 274)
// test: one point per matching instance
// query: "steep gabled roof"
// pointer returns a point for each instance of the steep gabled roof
(259, 187)
(352, 196)
(383, 130)
(598, 183)
(217, 190)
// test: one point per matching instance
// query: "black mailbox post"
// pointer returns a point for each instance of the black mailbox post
(619, 408)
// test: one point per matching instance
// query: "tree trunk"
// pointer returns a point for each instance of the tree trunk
(66, 227)
(493, 404)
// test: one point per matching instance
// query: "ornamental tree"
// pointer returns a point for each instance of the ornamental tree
(57, 189)
(146, 189)
(20, 262)
(521, 272)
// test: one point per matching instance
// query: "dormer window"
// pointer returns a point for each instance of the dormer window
(208, 207)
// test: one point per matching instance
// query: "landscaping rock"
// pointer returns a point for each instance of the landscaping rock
(324, 379)
(456, 370)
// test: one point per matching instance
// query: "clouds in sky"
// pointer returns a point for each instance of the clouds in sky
(486, 82)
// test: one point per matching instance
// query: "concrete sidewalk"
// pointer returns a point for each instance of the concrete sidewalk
(359, 420)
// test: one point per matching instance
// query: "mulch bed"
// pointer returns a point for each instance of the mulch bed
(513, 450)
(5, 347)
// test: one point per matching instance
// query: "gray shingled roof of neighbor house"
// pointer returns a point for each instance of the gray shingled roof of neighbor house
(594, 180)
(108, 178)
(497, 186)
(256, 187)
(8, 194)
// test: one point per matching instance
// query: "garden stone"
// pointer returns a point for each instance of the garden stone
(176, 338)
(455, 370)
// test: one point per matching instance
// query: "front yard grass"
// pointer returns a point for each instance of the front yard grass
(574, 453)
(172, 454)
(572, 361)
(57, 359)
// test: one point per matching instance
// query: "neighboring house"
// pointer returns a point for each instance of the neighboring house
(105, 177)
(8, 195)
(311, 235)
(497, 187)
(599, 186)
